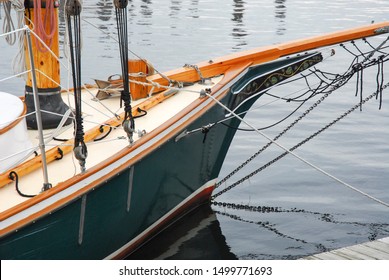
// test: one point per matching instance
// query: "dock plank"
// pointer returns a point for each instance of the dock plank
(329, 256)
(312, 258)
(374, 250)
(354, 255)
(385, 240)
(378, 245)
(364, 249)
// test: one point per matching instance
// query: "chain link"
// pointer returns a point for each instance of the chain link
(266, 225)
(274, 139)
(352, 109)
(342, 81)
(262, 209)
(337, 83)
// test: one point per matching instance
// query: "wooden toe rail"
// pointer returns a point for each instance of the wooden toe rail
(67, 147)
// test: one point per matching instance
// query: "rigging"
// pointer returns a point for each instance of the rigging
(328, 83)
(73, 11)
(121, 21)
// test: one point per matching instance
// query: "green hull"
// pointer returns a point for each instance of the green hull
(116, 217)
(114, 213)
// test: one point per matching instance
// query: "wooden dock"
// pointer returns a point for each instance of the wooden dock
(375, 250)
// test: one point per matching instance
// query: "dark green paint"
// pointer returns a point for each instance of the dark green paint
(161, 181)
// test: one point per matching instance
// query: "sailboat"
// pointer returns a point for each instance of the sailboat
(95, 171)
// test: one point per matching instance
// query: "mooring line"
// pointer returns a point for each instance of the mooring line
(295, 155)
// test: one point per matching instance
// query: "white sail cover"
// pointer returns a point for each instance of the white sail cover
(15, 144)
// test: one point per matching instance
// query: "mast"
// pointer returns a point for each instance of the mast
(42, 19)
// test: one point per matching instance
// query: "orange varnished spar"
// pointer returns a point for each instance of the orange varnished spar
(44, 60)
(264, 54)
(138, 91)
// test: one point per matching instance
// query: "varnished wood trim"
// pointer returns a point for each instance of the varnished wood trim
(235, 71)
(67, 147)
(265, 54)
(44, 61)
(217, 66)
(15, 122)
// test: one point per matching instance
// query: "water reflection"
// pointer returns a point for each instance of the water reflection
(102, 16)
(175, 8)
(238, 30)
(278, 234)
(265, 220)
(104, 11)
(146, 11)
(197, 236)
(61, 21)
(194, 9)
(280, 16)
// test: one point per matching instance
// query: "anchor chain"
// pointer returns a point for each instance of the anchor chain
(352, 109)
(265, 209)
(262, 209)
(313, 106)
(340, 81)
(266, 225)
(274, 139)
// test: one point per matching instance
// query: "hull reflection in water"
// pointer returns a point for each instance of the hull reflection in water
(196, 236)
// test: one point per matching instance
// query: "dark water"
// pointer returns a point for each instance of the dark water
(305, 212)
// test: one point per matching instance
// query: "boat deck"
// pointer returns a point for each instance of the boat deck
(96, 113)
(374, 250)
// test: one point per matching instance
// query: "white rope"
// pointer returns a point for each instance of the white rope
(18, 118)
(19, 61)
(60, 128)
(13, 31)
(101, 103)
(118, 138)
(69, 93)
(85, 120)
(274, 142)
(48, 48)
(99, 29)
(8, 24)
(15, 76)
(29, 152)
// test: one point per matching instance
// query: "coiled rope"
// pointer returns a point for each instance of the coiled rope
(45, 27)
(19, 61)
